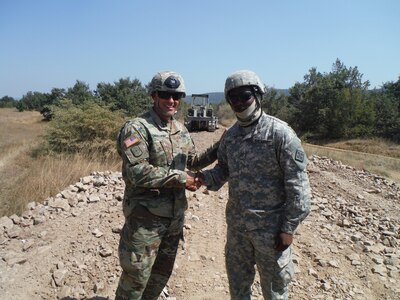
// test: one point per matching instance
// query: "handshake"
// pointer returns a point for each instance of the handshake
(194, 181)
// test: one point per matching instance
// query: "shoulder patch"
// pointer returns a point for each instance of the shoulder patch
(132, 140)
(299, 156)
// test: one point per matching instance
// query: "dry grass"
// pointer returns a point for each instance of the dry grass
(18, 130)
(48, 175)
(25, 178)
(373, 146)
(377, 164)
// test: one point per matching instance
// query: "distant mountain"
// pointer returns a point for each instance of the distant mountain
(214, 98)
(218, 97)
(283, 91)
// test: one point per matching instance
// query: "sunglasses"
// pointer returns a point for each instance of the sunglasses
(168, 95)
(240, 97)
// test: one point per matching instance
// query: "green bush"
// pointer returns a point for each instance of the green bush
(87, 128)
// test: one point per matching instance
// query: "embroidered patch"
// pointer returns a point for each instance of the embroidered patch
(299, 156)
(130, 141)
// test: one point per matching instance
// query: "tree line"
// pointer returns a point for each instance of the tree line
(338, 105)
(333, 105)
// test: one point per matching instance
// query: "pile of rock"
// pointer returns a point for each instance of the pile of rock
(70, 239)
(354, 228)
(66, 247)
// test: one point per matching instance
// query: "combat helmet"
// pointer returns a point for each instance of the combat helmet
(244, 78)
(167, 81)
(241, 78)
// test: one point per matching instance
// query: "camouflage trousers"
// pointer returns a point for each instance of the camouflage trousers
(244, 250)
(147, 252)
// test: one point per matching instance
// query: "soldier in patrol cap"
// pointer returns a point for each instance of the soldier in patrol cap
(269, 193)
(156, 150)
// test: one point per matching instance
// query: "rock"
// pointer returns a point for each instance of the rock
(104, 252)
(380, 269)
(14, 232)
(59, 276)
(6, 223)
(16, 219)
(28, 244)
(93, 198)
(64, 293)
(31, 205)
(14, 258)
(67, 194)
(59, 203)
(97, 233)
(98, 287)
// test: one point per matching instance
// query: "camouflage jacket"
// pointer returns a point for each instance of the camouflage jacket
(154, 158)
(266, 168)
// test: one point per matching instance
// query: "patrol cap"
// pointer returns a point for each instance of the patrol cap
(243, 78)
(167, 81)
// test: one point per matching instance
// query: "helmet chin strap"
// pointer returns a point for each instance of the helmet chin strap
(250, 114)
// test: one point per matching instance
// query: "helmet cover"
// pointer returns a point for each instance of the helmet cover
(167, 81)
(243, 78)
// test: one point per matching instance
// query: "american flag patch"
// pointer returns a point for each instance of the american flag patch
(130, 141)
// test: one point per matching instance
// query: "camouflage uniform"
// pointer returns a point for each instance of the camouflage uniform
(268, 193)
(154, 155)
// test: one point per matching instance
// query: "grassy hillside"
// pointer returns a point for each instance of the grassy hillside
(378, 164)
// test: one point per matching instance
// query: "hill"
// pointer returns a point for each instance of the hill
(218, 97)
(214, 98)
(347, 248)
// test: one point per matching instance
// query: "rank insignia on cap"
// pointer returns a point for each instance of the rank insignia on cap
(130, 141)
(299, 156)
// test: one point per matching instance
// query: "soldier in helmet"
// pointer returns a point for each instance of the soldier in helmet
(265, 164)
(155, 149)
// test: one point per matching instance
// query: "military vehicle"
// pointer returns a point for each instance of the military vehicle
(200, 116)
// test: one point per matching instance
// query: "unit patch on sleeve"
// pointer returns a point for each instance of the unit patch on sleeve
(130, 141)
(299, 156)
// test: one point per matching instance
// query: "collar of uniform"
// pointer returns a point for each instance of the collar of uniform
(173, 126)
(248, 131)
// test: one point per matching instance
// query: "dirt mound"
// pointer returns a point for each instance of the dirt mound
(66, 248)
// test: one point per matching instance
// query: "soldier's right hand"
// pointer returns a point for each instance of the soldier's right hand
(192, 183)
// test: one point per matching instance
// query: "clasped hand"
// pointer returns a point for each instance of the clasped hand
(194, 181)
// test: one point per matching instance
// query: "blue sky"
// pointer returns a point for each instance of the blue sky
(47, 44)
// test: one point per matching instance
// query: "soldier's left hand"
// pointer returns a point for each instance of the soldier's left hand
(283, 241)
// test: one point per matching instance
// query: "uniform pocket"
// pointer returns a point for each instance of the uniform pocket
(285, 258)
(158, 156)
(286, 266)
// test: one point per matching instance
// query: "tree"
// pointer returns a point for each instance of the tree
(79, 93)
(275, 103)
(387, 105)
(56, 95)
(332, 105)
(8, 101)
(126, 95)
(32, 101)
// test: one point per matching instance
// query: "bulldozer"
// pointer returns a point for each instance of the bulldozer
(200, 116)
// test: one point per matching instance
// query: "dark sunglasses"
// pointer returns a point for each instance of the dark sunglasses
(167, 95)
(242, 96)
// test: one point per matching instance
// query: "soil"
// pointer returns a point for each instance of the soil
(347, 248)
